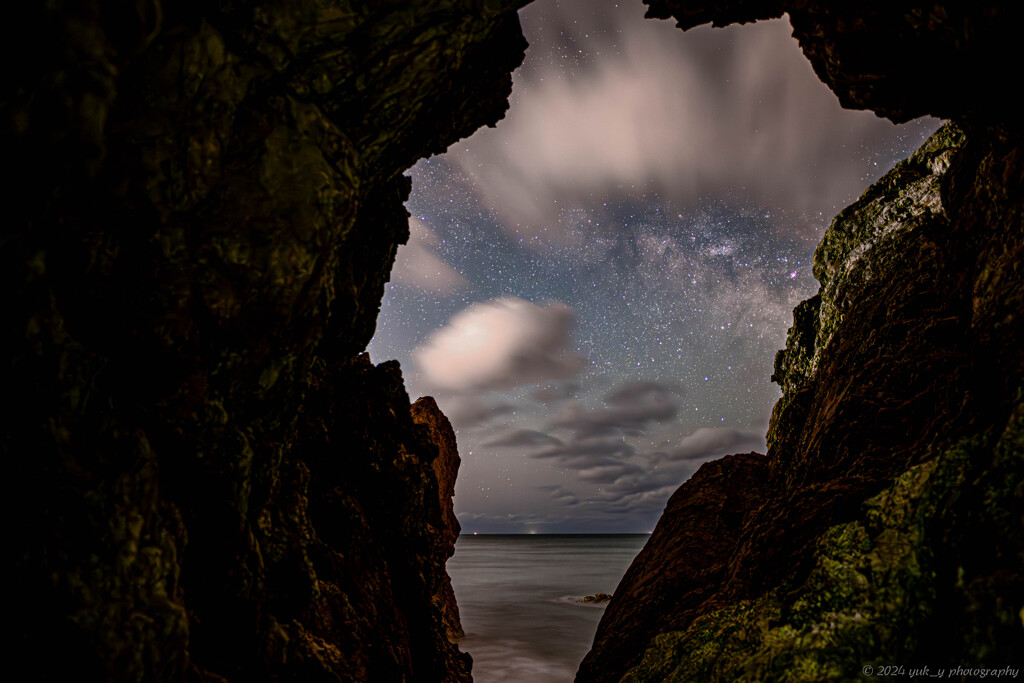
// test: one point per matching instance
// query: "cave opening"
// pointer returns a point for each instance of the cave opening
(213, 483)
(594, 290)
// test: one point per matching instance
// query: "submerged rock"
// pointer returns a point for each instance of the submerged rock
(596, 598)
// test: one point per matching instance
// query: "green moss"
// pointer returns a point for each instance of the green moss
(203, 251)
(859, 244)
(844, 613)
(709, 647)
(878, 581)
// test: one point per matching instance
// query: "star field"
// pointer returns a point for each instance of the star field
(595, 294)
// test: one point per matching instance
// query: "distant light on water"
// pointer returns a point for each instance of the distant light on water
(508, 584)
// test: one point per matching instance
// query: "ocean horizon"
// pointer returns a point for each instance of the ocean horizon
(519, 597)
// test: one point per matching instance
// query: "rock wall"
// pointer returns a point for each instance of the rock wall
(902, 59)
(439, 432)
(668, 580)
(203, 202)
(888, 526)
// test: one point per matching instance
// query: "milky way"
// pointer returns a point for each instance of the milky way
(595, 289)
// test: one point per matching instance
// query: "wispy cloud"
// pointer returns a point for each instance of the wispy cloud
(712, 112)
(629, 410)
(517, 438)
(706, 443)
(418, 265)
(474, 411)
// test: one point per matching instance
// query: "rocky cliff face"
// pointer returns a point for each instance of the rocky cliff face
(902, 59)
(887, 526)
(439, 432)
(668, 580)
(203, 202)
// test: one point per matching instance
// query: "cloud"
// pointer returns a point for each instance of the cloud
(597, 462)
(561, 495)
(707, 443)
(500, 344)
(472, 412)
(642, 392)
(523, 437)
(584, 453)
(417, 265)
(631, 408)
(709, 112)
(591, 460)
(607, 472)
(554, 394)
(640, 483)
(596, 451)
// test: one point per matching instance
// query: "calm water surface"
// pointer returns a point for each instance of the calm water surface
(518, 600)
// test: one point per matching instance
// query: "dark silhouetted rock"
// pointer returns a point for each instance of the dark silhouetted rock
(684, 559)
(900, 58)
(427, 415)
(890, 521)
(202, 205)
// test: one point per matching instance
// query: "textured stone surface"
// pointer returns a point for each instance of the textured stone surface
(888, 522)
(427, 415)
(890, 527)
(203, 202)
(669, 579)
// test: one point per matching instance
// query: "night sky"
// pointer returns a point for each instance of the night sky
(594, 290)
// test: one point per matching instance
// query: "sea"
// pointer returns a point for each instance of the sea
(519, 600)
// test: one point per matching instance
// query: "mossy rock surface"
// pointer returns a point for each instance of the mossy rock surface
(204, 201)
(885, 526)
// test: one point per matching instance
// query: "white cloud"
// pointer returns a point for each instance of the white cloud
(709, 112)
(707, 443)
(417, 265)
(470, 411)
(500, 344)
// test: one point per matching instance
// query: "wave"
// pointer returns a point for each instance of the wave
(577, 600)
